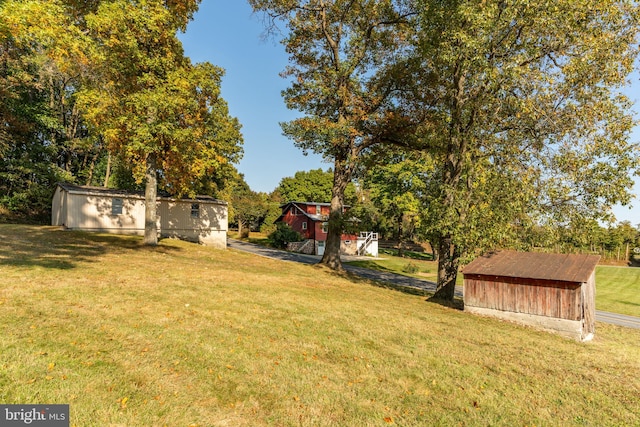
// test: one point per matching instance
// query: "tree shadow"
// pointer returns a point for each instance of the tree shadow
(457, 303)
(371, 265)
(54, 248)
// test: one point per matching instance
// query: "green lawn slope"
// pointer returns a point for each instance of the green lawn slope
(185, 335)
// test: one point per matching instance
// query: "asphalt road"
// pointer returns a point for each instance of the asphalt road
(397, 279)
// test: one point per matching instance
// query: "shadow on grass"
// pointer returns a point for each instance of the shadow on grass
(371, 265)
(55, 248)
(456, 304)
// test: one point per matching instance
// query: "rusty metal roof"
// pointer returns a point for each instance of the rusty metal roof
(530, 265)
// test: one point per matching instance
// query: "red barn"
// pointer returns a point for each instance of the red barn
(554, 292)
(310, 219)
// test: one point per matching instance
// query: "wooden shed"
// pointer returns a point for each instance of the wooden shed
(554, 292)
(202, 219)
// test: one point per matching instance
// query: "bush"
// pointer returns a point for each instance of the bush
(410, 268)
(283, 235)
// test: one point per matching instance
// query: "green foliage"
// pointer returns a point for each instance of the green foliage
(81, 79)
(42, 138)
(271, 215)
(396, 187)
(520, 112)
(155, 103)
(411, 268)
(282, 235)
(247, 209)
(312, 186)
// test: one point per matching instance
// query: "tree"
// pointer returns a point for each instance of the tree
(337, 49)
(396, 188)
(247, 207)
(152, 106)
(519, 108)
(284, 234)
(312, 186)
(42, 138)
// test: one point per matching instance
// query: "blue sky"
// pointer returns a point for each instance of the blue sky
(227, 33)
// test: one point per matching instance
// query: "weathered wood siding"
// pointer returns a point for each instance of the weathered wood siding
(589, 305)
(539, 297)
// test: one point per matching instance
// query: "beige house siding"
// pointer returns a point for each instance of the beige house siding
(91, 209)
(210, 228)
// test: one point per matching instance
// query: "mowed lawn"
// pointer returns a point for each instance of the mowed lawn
(185, 335)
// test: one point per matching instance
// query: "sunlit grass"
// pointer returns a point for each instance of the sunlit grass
(184, 335)
(618, 289)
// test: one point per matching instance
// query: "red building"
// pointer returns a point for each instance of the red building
(310, 219)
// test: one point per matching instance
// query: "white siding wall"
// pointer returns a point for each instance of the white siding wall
(91, 212)
(209, 229)
(59, 207)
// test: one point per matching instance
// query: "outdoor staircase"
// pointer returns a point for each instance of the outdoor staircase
(368, 237)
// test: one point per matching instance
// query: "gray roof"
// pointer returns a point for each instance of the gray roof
(113, 192)
(559, 267)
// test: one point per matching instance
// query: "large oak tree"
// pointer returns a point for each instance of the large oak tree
(337, 49)
(519, 108)
(151, 105)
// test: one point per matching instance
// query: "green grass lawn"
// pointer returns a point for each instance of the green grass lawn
(185, 335)
(617, 288)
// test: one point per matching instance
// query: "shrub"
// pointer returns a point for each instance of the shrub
(410, 268)
(283, 235)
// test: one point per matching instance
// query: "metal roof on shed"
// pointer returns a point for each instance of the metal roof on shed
(530, 265)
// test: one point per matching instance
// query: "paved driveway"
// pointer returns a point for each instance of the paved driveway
(397, 279)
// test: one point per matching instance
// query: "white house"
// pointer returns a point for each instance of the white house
(203, 219)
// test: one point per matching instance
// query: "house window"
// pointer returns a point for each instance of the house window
(116, 206)
(318, 210)
(195, 210)
(325, 227)
(304, 225)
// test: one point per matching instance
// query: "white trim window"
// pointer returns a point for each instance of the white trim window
(325, 227)
(195, 210)
(116, 206)
(304, 225)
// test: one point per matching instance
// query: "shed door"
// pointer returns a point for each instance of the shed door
(320, 248)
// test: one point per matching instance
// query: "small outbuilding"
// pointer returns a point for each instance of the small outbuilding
(202, 219)
(554, 292)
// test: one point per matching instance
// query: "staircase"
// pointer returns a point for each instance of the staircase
(365, 240)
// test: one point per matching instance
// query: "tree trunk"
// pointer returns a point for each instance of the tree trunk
(400, 238)
(626, 252)
(331, 256)
(92, 167)
(448, 263)
(150, 198)
(108, 172)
